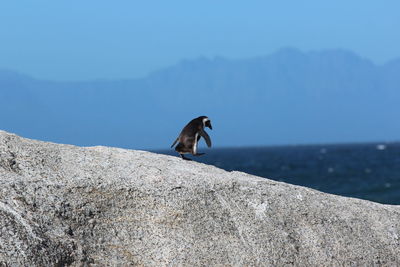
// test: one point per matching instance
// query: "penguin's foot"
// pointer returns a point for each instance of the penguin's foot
(183, 157)
(199, 154)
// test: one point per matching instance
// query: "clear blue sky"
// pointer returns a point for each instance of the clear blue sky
(79, 40)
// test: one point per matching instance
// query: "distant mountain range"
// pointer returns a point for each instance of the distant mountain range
(288, 97)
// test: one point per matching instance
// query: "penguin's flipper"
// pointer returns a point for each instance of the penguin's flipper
(176, 140)
(183, 157)
(206, 137)
(199, 154)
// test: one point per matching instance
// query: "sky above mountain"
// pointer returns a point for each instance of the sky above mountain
(98, 39)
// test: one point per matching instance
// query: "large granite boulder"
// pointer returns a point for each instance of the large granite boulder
(66, 205)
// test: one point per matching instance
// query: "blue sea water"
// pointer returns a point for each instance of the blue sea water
(368, 171)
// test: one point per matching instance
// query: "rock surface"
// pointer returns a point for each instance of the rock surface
(65, 205)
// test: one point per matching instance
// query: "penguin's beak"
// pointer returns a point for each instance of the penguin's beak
(208, 124)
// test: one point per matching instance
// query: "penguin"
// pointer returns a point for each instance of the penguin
(190, 136)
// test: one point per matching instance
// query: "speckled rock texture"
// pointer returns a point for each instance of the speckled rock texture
(62, 205)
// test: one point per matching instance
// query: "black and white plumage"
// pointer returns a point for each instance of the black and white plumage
(190, 136)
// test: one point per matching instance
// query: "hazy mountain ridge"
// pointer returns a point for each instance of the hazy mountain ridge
(286, 97)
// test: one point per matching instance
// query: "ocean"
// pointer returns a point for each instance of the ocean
(368, 171)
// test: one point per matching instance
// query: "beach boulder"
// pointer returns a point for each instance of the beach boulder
(62, 205)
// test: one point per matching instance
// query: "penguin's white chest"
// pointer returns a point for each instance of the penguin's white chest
(195, 143)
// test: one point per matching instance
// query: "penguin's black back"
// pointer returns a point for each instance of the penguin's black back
(193, 126)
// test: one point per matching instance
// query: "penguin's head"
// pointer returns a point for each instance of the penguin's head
(207, 122)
